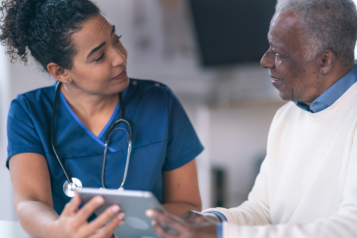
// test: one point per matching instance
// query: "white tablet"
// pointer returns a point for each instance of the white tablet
(133, 203)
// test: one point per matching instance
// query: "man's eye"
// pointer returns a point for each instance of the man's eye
(279, 56)
(117, 40)
(100, 57)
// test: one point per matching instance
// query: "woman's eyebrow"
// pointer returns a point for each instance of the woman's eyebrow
(96, 49)
(100, 46)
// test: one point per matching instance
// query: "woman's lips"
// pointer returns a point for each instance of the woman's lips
(122, 75)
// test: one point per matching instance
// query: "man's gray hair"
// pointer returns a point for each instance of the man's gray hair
(329, 24)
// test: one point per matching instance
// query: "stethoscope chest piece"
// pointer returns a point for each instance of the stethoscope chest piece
(69, 188)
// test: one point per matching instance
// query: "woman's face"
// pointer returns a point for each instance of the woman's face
(99, 66)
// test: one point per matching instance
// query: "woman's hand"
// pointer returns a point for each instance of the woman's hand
(73, 221)
(207, 229)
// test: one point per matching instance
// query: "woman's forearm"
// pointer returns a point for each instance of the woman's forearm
(180, 208)
(181, 191)
(37, 218)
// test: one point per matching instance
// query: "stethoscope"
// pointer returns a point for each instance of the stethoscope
(71, 184)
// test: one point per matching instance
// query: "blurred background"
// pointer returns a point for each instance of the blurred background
(208, 52)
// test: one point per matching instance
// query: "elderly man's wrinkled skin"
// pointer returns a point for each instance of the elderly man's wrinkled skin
(298, 79)
(197, 227)
(195, 218)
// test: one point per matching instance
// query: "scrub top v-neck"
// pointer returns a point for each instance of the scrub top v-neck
(163, 139)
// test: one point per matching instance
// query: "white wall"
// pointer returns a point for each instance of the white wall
(239, 138)
(6, 207)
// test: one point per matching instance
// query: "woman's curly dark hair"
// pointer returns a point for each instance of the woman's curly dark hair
(44, 27)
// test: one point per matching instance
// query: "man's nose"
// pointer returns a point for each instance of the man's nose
(268, 60)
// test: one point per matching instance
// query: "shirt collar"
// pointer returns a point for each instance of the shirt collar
(331, 95)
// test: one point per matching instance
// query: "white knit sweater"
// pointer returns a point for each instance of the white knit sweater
(307, 186)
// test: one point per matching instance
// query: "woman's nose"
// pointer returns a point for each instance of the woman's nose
(119, 58)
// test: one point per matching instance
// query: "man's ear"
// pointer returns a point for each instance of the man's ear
(58, 72)
(327, 58)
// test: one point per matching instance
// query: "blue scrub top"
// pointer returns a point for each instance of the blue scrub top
(163, 139)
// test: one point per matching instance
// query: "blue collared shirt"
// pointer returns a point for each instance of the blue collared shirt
(331, 95)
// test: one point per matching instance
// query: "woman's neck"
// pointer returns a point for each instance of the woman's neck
(88, 104)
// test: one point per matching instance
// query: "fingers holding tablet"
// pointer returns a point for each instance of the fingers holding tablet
(165, 225)
(113, 212)
(99, 227)
(132, 203)
(169, 226)
(87, 210)
(73, 221)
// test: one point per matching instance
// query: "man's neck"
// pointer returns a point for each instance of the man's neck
(330, 79)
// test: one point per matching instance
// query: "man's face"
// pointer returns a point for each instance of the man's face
(295, 77)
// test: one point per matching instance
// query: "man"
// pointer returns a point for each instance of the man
(307, 186)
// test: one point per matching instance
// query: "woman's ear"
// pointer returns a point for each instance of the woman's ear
(59, 73)
(328, 58)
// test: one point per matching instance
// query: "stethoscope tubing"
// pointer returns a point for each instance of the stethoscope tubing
(54, 109)
(107, 137)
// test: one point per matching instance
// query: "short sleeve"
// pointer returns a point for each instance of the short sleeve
(183, 143)
(21, 133)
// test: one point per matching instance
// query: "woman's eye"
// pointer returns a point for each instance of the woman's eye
(100, 57)
(117, 40)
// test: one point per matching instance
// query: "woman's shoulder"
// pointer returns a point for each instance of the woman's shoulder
(34, 98)
(38, 94)
(149, 89)
(146, 85)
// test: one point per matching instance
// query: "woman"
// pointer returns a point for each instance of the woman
(82, 50)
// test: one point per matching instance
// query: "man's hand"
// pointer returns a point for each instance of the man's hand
(205, 229)
(197, 218)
